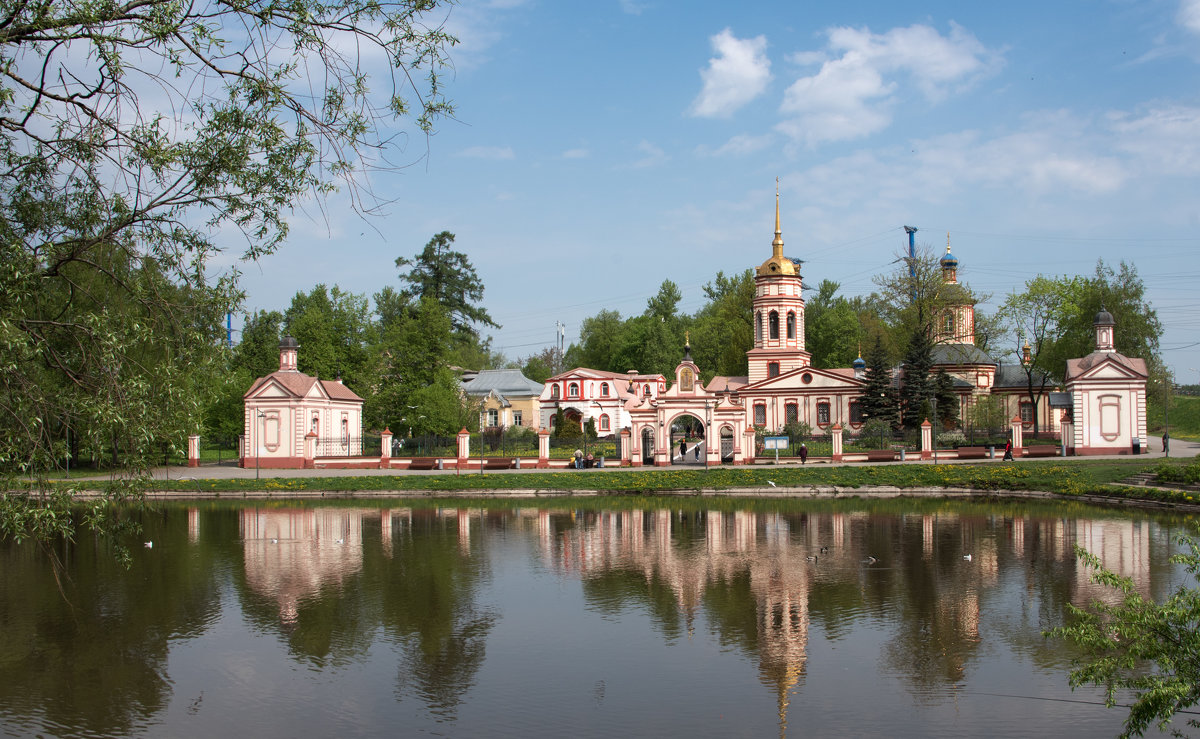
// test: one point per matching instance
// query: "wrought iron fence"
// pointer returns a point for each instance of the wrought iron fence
(367, 445)
(424, 445)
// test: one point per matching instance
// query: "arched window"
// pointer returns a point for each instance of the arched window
(773, 325)
(791, 325)
(823, 413)
(604, 390)
(604, 424)
(760, 415)
(772, 369)
(315, 424)
(758, 327)
(791, 413)
(948, 323)
(856, 413)
(573, 390)
(554, 392)
(646, 390)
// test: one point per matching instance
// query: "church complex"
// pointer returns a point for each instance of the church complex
(1103, 410)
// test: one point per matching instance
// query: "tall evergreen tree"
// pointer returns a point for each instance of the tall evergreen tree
(917, 382)
(879, 399)
(947, 400)
(448, 277)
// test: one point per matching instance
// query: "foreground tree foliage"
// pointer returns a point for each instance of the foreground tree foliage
(1151, 649)
(130, 134)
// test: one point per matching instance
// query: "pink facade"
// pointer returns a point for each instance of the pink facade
(1108, 394)
(286, 406)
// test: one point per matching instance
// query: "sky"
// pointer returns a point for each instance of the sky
(601, 147)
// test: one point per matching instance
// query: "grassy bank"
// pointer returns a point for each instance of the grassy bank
(1067, 477)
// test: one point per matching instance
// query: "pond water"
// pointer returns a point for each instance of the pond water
(707, 618)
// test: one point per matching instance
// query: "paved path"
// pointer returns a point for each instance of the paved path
(230, 470)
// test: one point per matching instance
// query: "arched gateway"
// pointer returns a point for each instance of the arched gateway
(689, 411)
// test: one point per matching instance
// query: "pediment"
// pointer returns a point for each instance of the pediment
(270, 389)
(795, 381)
(1107, 370)
(316, 392)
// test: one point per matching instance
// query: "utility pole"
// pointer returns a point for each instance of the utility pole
(559, 340)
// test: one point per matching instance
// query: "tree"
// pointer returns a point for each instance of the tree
(879, 401)
(832, 327)
(1121, 640)
(131, 134)
(947, 400)
(335, 333)
(448, 277)
(1032, 317)
(724, 329)
(916, 293)
(917, 383)
(599, 343)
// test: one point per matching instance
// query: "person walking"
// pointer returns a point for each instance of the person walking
(696, 449)
(803, 453)
(1008, 457)
(682, 449)
(1166, 443)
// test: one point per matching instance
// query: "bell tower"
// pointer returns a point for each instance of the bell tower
(956, 324)
(778, 320)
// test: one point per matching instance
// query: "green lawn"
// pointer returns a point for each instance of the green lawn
(1067, 477)
(1184, 418)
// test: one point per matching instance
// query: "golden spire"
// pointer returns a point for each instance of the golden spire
(687, 341)
(778, 264)
(777, 244)
(947, 242)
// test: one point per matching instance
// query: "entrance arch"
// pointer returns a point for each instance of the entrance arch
(687, 429)
(726, 445)
(648, 446)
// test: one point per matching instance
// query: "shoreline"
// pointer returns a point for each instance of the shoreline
(781, 492)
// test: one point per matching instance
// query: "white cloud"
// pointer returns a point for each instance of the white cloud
(495, 153)
(632, 7)
(576, 154)
(1166, 141)
(738, 145)
(736, 75)
(853, 93)
(1189, 15)
(653, 156)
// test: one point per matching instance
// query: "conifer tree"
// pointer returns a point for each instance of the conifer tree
(917, 384)
(879, 397)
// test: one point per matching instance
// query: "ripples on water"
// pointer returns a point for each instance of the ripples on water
(511, 621)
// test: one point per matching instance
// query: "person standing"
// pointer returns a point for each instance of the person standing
(803, 453)
(1166, 443)
(682, 449)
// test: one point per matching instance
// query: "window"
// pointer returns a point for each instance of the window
(552, 417)
(554, 392)
(493, 417)
(791, 413)
(604, 423)
(315, 424)
(791, 325)
(517, 421)
(604, 390)
(1026, 414)
(573, 390)
(646, 390)
(856, 413)
(758, 327)
(772, 369)
(760, 415)
(948, 323)
(823, 413)
(773, 321)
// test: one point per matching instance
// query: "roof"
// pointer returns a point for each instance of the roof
(503, 382)
(959, 354)
(1076, 367)
(721, 383)
(595, 374)
(1013, 375)
(1060, 400)
(300, 384)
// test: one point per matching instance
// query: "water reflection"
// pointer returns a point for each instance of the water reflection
(390, 609)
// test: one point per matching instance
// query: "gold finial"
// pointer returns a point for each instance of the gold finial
(947, 242)
(777, 244)
(686, 338)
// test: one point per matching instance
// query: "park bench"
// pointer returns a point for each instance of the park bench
(497, 463)
(881, 455)
(1042, 450)
(423, 463)
(972, 452)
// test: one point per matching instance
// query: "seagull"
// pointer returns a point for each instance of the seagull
(772, 483)
(340, 541)
(967, 557)
(149, 545)
(811, 558)
(870, 561)
(274, 541)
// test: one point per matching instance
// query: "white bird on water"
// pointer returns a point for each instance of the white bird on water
(340, 541)
(772, 483)
(149, 545)
(967, 557)
(870, 561)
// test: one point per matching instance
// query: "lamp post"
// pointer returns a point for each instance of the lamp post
(707, 431)
(258, 440)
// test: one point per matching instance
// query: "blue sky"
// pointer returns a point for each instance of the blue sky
(601, 147)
